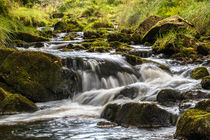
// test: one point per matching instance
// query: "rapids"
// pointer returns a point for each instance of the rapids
(104, 78)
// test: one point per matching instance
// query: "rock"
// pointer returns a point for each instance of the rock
(110, 112)
(164, 26)
(14, 103)
(205, 83)
(35, 75)
(132, 59)
(204, 48)
(120, 37)
(166, 96)
(106, 124)
(27, 37)
(176, 45)
(193, 124)
(195, 95)
(128, 92)
(57, 15)
(68, 25)
(145, 26)
(199, 73)
(203, 105)
(140, 115)
(93, 34)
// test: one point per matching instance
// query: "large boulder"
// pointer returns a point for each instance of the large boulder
(199, 73)
(205, 83)
(194, 124)
(14, 103)
(145, 26)
(139, 115)
(35, 75)
(164, 26)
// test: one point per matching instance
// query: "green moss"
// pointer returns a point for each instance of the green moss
(68, 25)
(13, 103)
(33, 74)
(121, 37)
(193, 124)
(28, 37)
(4, 52)
(132, 59)
(199, 73)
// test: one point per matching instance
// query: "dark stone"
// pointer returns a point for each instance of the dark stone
(129, 92)
(205, 83)
(169, 95)
(139, 115)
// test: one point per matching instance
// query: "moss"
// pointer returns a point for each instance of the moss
(120, 37)
(28, 37)
(4, 52)
(193, 125)
(68, 25)
(93, 34)
(13, 103)
(205, 83)
(100, 49)
(164, 26)
(33, 74)
(199, 73)
(123, 48)
(79, 47)
(132, 59)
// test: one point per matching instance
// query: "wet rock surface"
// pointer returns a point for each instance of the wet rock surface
(139, 115)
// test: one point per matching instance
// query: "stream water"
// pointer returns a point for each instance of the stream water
(103, 78)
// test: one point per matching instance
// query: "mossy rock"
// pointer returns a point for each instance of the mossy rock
(68, 25)
(120, 37)
(124, 48)
(102, 24)
(203, 105)
(35, 75)
(145, 27)
(199, 73)
(167, 96)
(93, 34)
(140, 115)
(78, 47)
(204, 48)
(193, 124)
(205, 83)
(28, 37)
(14, 103)
(164, 26)
(4, 52)
(100, 49)
(159, 65)
(57, 15)
(132, 59)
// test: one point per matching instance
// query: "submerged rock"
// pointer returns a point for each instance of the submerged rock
(205, 83)
(199, 73)
(194, 124)
(14, 103)
(140, 115)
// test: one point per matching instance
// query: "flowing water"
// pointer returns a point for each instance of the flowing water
(104, 78)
